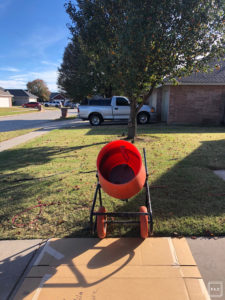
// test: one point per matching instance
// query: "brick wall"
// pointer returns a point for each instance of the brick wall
(192, 104)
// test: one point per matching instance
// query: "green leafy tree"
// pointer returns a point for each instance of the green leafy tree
(78, 75)
(74, 73)
(138, 44)
(39, 88)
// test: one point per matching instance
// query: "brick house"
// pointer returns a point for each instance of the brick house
(198, 99)
(57, 96)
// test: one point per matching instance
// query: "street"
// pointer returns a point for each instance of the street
(30, 120)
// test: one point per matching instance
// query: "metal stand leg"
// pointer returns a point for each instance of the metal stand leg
(93, 207)
(148, 198)
(149, 206)
(100, 195)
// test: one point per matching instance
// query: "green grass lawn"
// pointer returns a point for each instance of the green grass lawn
(58, 169)
(11, 134)
(15, 110)
(50, 108)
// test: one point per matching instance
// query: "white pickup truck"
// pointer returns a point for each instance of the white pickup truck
(115, 108)
(54, 103)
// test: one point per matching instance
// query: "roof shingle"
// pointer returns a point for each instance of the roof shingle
(216, 76)
(4, 93)
(20, 93)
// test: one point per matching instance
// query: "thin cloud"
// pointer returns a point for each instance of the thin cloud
(20, 81)
(9, 69)
(49, 63)
(13, 84)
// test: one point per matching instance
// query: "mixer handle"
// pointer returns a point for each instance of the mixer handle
(146, 167)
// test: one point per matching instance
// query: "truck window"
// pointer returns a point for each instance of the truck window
(121, 102)
(100, 102)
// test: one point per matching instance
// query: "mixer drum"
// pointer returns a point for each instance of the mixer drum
(120, 169)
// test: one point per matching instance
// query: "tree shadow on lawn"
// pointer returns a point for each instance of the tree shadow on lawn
(156, 128)
(21, 189)
(188, 199)
(14, 159)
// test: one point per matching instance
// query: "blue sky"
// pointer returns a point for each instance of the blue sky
(33, 36)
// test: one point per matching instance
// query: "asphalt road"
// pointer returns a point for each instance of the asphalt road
(30, 120)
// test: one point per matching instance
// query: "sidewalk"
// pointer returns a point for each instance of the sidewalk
(16, 259)
(44, 130)
(121, 268)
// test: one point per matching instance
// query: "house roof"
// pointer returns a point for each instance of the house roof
(4, 93)
(214, 76)
(30, 95)
(20, 93)
(54, 94)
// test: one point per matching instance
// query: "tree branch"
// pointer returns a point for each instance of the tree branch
(145, 97)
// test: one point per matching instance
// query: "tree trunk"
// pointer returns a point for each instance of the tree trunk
(108, 91)
(132, 123)
(146, 97)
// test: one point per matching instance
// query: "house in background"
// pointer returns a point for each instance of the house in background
(5, 98)
(198, 99)
(57, 96)
(21, 96)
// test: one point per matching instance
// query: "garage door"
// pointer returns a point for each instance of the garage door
(4, 102)
(32, 99)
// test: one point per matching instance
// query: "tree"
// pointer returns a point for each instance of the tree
(78, 75)
(39, 88)
(74, 72)
(138, 44)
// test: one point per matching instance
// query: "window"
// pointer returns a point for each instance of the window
(121, 102)
(100, 102)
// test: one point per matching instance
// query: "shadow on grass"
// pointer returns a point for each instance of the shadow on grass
(155, 128)
(192, 197)
(14, 159)
(23, 190)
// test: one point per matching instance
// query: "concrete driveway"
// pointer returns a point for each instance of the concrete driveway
(31, 120)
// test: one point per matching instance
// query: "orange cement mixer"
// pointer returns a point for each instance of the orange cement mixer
(121, 174)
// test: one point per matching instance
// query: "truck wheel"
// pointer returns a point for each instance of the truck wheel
(143, 118)
(95, 119)
(46, 105)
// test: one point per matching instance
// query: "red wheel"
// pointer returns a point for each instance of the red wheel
(143, 222)
(101, 225)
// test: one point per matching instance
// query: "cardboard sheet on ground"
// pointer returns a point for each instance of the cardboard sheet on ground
(124, 268)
